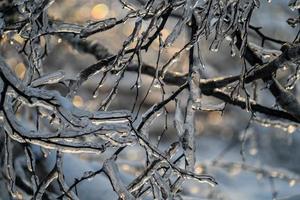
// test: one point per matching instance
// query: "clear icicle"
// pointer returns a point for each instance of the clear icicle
(155, 189)
(8, 160)
(98, 26)
(112, 171)
(214, 47)
(179, 119)
(30, 159)
(49, 79)
(156, 83)
(178, 27)
(149, 120)
(164, 187)
(44, 185)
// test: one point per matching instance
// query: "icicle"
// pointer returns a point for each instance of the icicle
(49, 79)
(178, 27)
(163, 186)
(134, 35)
(179, 119)
(171, 62)
(139, 82)
(232, 51)
(146, 175)
(177, 185)
(174, 34)
(112, 171)
(214, 47)
(45, 152)
(155, 189)
(156, 83)
(44, 185)
(147, 121)
(99, 26)
(30, 159)
(8, 160)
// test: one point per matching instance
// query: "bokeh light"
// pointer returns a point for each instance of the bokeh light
(78, 101)
(99, 11)
(20, 70)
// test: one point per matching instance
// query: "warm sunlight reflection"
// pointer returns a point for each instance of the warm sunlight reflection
(99, 11)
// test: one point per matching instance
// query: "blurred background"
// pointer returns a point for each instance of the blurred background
(271, 161)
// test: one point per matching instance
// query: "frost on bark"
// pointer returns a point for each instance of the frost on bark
(35, 114)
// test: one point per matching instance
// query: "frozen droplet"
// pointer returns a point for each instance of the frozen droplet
(119, 73)
(156, 84)
(228, 38)
(159, 113)
(232, 52)
(97, 91)
(45, 152)
(95, 95)
(196, 106)
(188, 47)
(214, 47)
(139, 82)
(284, 68)
(174, 60)
(266, 56)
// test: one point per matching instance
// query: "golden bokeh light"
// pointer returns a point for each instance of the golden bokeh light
(125, 167)
(165, 33)
(235, 169)
(12, 62)
(18, 38)
(20, 70)
(199, 169)
(194, 190)
(99, 11)
(77, 101)
(215, 118)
